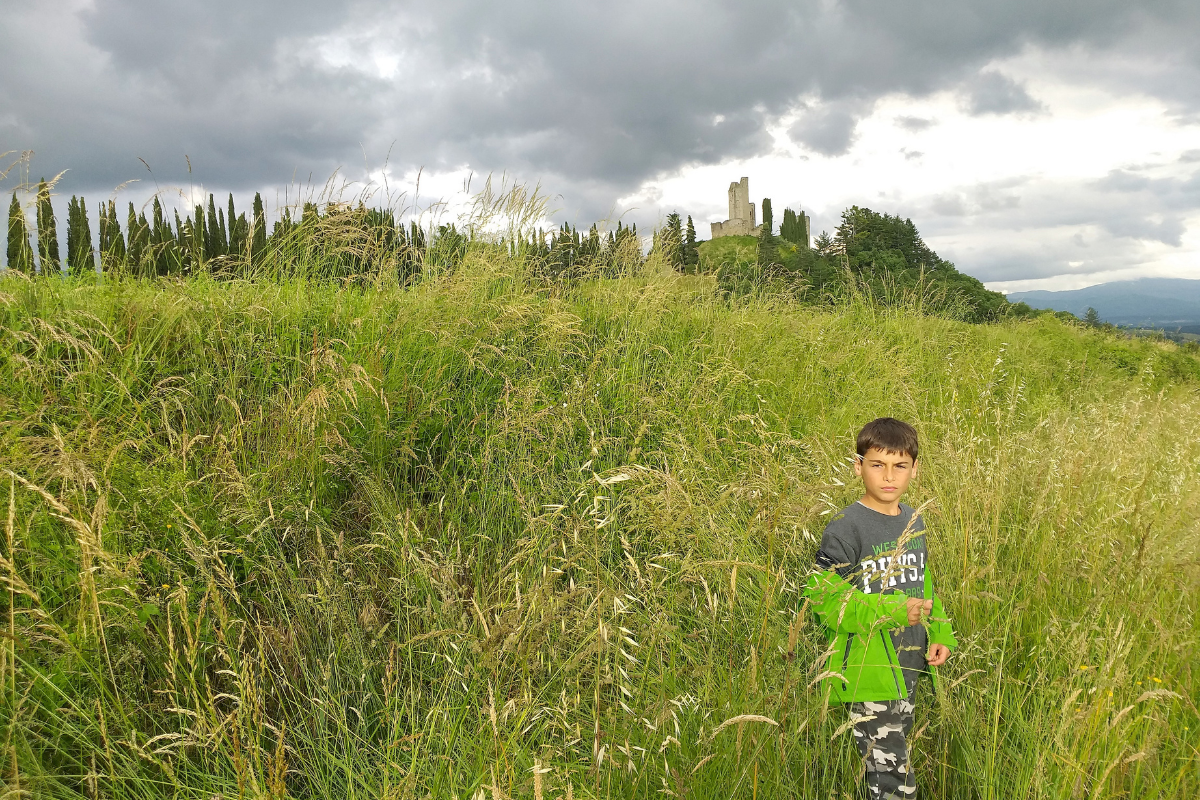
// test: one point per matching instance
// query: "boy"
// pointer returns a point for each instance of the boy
(874, 596)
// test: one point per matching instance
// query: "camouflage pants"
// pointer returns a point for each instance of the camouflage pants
(881, 735)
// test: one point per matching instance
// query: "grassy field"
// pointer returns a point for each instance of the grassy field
(479, 539)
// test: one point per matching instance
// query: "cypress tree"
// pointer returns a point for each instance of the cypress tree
(119, 240)
(143, 229)
(112, 243)
(794, 227)
(47, 231)
(105, 237)
(86, 231)
(161, 231)
(671, 241)
(259, 242)
(691, 251)
(310, 215)
(199, 237)
(180, 244)
(768, 248)
(231, 218)
(134, 232)
(166, 251)
(211, 249)
(81, 256)
(20, 252)
(244, 241)
(72, 232)
(787, 228)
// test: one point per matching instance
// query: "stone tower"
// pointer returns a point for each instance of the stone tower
(741, 220)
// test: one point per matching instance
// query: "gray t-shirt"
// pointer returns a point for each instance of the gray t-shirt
(861, 546)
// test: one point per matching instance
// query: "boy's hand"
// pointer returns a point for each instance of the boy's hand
(917, 609)
(937, 655)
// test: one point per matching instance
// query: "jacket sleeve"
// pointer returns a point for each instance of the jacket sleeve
(940, 629)
(844, 609)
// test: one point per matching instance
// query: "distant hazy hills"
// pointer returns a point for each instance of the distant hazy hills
(1151, 302)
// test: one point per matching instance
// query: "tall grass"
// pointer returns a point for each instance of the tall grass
(482, 539)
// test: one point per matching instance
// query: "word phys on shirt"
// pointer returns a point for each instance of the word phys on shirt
(905, 572)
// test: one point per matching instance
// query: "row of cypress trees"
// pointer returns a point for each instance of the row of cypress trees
(339, 242)
(147, 247)
(20, 253)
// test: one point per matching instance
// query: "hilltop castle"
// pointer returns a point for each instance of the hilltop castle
(741, 220)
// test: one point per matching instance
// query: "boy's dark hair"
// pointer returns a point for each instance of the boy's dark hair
(889, 435)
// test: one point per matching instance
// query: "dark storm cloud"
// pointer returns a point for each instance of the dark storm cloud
(591, 98)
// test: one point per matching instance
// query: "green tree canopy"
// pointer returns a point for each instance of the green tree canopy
(887, 253)
(794, 227)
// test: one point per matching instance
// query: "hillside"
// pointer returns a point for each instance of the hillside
(1146, 302)
(877, 254)
(496, 535)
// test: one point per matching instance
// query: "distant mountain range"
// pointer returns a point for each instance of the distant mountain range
(1167, 303)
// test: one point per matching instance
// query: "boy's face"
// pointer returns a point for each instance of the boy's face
(885, 476)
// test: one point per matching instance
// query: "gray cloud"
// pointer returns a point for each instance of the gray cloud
(829, 131)
(591, 99)
(993, 93)
(915, 124)
(1020, 228)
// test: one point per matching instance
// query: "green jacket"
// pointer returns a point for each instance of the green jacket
(862, 665)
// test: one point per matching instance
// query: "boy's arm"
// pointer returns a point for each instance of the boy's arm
(840, 606)
(844, 609)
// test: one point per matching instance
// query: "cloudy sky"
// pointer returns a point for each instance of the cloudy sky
(1036, 143)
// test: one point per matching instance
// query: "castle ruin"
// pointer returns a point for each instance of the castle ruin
(741, 220)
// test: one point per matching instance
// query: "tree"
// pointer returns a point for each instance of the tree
(235, 239)
(824, 244)
(72, 231)
(162, 240)
(1092, 317)
(214, 243)
(259, 239)
(670, 239)
(112, 243)
(768, 246)
(20, 252)
(691, 252)
(138, 230)
(47, 231)
(887, 254)
(794, 228)
(198, 242)
(81, 257)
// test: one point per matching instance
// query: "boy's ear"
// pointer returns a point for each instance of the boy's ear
(858, 465)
